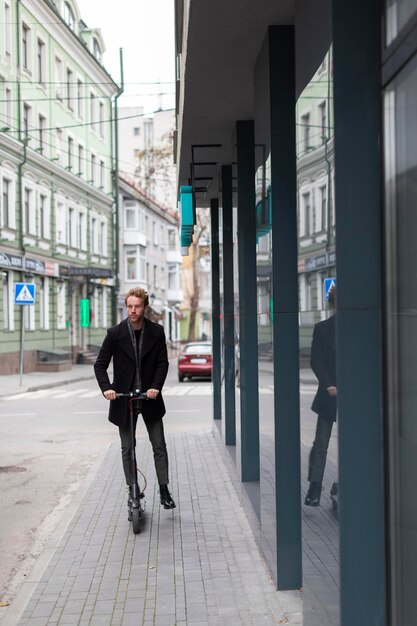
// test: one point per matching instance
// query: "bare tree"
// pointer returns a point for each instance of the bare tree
(200, 238)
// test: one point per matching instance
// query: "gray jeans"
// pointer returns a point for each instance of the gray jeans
(157, 438)
(318, 454)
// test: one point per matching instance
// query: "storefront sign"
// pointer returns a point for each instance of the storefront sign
(35, 266)
(11, 261)
(320, 261)
(51, 268)
(97, 272)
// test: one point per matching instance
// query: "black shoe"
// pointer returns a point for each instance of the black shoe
(166, 498)
(313, 494)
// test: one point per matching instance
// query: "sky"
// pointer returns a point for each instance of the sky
(144, 29)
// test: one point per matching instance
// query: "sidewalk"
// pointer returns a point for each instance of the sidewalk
(196, 565)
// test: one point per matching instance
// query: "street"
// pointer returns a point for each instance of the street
(49, 439)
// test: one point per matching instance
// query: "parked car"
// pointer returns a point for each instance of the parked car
(195, 360)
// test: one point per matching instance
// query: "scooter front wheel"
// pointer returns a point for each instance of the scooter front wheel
(136, 520)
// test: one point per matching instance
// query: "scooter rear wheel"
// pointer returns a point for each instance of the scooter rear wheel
(136, 520)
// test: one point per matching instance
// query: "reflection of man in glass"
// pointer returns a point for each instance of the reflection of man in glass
(323, 364)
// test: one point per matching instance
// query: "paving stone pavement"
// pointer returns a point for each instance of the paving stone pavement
(198, 565)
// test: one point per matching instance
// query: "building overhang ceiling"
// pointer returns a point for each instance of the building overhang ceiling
(221, 43)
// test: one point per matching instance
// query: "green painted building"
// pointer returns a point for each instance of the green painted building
(56, 186)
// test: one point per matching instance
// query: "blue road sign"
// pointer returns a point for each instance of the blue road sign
(24, 293)
(328, 283)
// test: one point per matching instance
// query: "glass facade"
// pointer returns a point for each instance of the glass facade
(400, 107)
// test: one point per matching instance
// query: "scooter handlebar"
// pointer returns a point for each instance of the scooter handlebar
(134, 395)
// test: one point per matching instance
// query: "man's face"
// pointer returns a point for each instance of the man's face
(135, 309)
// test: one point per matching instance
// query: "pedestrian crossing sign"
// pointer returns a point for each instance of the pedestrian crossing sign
(328, 283)
(24, 293)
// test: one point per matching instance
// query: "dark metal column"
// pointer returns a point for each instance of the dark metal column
(228, 307)
(285, 294)
(357, 103)
(248, 324)
(215, 315)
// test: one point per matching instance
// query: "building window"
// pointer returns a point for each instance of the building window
(94, 236)
(93, 169)
(172, 276)
(80, 160)
(58, 79)
(323, 121)
(103, 239)
(27, 114)
(81, 238)
(305, 215)
(130, 216)
(6, 218)
(136, 131)
(305, 132)
(8, 107)
(101, 118)
(96, 49)
(41, 61)
(323, 207)
(30, 217)
(92, 110)
(61, 307)
(101, 174)
(42, 126)
(69, 15)
(70, 153)
(69, 88)
(131, 264)
(172, 239)
(8, 308)
(72, 229)
(61, 223)
(26, 35)
(7, 30)
(80, 100)
(43, 216)
(44, 303)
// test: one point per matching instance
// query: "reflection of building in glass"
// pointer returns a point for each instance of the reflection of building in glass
(316, 207)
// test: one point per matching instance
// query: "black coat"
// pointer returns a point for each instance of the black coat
(323, 364)
(154, 368)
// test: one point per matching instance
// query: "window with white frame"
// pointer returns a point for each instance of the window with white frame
(130, 215)
(94, 235)
(69, 16)
(101, 175)
(26, 46)
(44, 303)
(172, 239)
(80, 160)
(93, 169)
(8, 108)
(59, 87)
(70, 153)
(61, 306)
(44, 216)
(40, 57)
(103, 238)
(131, 263)
(60, 223)
(72, 227)
(96, 307)
(70, 88)
(27, 119)
(323, 207)
(96, 49)
(41, 130)
(7, 29)
(8, 300)
(80, 99)
(306, 217)
(92, 110)
(172, 276)
(82, 231)
(8, 215)
(155, 233)
(30, 211)
(305, 132)
(323, 120)
(101, 118)
(59, 145)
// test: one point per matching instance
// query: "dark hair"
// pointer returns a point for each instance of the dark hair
(331, 296)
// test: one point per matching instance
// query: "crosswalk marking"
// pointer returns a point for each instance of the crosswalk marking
(180, 390)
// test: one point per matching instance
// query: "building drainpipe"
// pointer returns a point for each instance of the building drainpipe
(116, 192)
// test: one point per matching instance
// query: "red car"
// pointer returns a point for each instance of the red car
(195, 360)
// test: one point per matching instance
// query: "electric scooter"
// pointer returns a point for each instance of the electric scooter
(136, 501)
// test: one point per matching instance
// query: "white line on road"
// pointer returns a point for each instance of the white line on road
(17, 414)
(72, 392)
